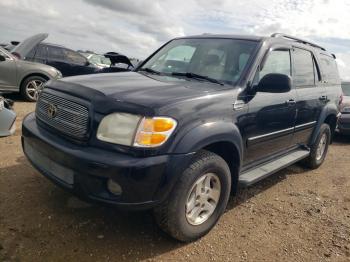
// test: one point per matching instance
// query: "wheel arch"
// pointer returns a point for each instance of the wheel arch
(229, 152)
(33, 74)
(222, 138)
(328, 116)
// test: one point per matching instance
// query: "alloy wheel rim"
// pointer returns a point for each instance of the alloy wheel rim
(33, 89)
(321, 147)
(203, 199)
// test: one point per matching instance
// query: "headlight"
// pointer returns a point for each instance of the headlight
(118, 128)
(133, 130)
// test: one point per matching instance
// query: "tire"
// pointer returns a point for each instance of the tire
(31, 87)
(171, 216)
(315, 159)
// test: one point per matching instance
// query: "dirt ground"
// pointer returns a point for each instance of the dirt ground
(295, 215)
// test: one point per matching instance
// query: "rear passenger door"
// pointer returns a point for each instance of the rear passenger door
(56, 58)
(311, 94)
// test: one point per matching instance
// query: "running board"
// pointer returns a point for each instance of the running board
(254, 175)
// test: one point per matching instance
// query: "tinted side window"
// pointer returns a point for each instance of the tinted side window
(55, 53)
(278, 61)
(41, 52)
(303, 68)
(74, 57)
(30, 56)
(329, 69)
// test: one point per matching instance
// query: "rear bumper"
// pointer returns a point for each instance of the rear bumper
(84, 170)
(343, 126)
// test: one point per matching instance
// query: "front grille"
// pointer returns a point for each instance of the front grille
(63, 115)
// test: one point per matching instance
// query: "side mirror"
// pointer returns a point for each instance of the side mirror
(275, 83)
(2, 58)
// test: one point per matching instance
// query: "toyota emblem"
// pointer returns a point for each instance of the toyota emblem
(52, 111)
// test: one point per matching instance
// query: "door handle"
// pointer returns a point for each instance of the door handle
(323, 98)
(291, 102)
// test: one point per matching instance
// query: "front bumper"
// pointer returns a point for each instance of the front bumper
(343, 126)
(85, 170)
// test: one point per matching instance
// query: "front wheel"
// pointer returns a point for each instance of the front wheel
(31, 88)
(198, 199)
(319, 149)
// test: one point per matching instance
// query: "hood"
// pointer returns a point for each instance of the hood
(133, 88)
(23, 48)
(33, 67)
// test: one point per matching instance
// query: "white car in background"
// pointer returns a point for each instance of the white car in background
(97, 60)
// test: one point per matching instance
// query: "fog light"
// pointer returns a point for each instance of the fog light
(114, 187)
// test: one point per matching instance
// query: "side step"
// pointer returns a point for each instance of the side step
(254, 175)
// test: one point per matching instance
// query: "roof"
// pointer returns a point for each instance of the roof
(227, 36)
(274, 38)
(50, 44)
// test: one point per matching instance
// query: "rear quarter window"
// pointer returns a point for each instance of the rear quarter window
(55, 53)
(329, 69)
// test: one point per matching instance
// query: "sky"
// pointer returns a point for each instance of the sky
(138, 27)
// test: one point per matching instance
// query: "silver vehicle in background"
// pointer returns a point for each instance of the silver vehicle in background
(98, 60)
(7, 117)
(344, 120)
(23, 76)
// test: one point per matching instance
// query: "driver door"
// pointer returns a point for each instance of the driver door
(270, 123)
(8, 73)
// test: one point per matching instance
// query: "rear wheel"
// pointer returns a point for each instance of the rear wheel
(198, 199)
(31, 88)
(319, 149)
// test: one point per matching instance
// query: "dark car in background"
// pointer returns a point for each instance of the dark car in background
(344, 120)
(67, 61)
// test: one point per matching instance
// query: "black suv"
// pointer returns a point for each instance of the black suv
(198, 118)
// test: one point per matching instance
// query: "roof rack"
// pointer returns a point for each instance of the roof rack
(303, 41)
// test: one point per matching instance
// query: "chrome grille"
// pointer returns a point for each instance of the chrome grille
(70, 117)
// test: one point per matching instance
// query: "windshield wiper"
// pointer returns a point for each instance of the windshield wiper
(197, 76)
(149, 70)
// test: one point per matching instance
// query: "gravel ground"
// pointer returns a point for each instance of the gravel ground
(295, 215)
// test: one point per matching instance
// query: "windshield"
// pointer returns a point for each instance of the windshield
(220, 59)
(346, 88)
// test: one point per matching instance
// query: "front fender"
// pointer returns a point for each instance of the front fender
(209, 133)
